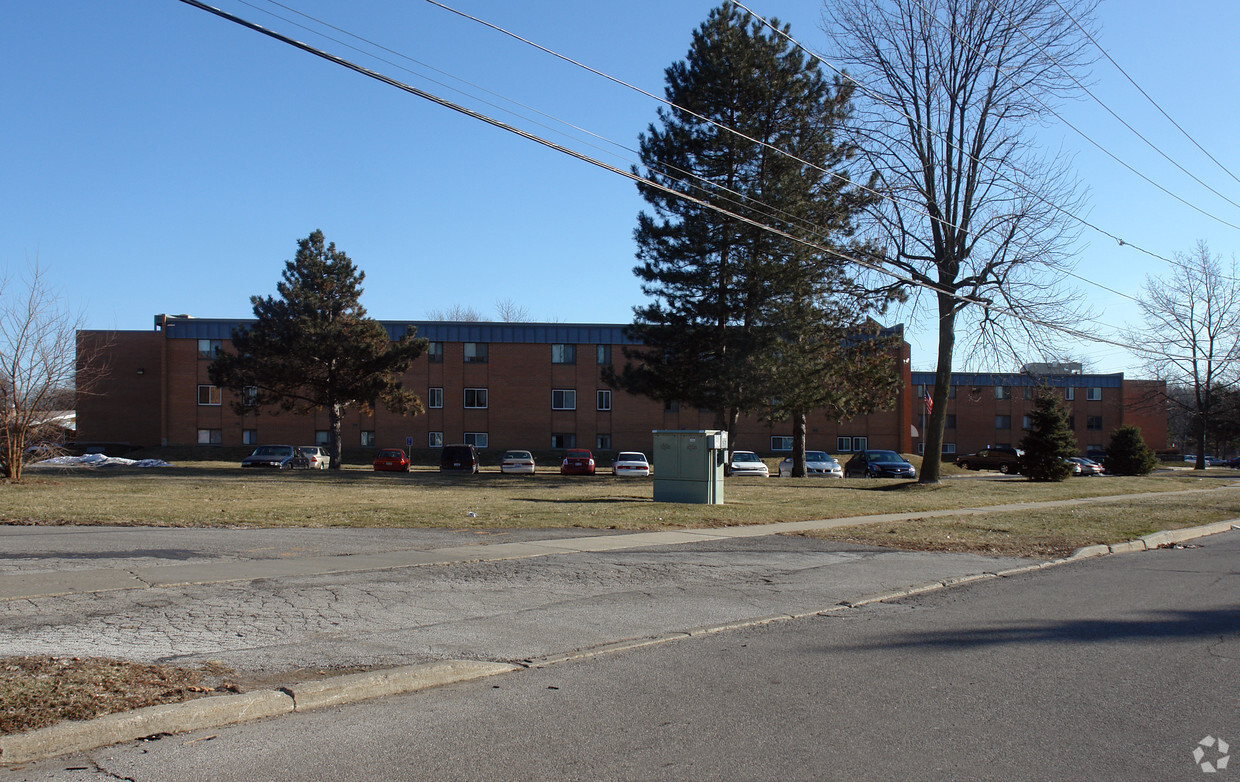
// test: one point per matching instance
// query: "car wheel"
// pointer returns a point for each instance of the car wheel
(1005, 468)
(963, 465)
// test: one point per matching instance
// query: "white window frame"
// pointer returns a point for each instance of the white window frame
(781, 442)
(476, 352)
(434, 353)
(1069, 393)
(214, 397)
(563, 399)
(322, 437)
(603, 441)
(949, 447)
(566, 440)
(1093, 394)
(602, 399)
(249, 437)
(434, 397)
(249, 395)
(1003, 428)
(563, 353)
(475, 406)
(368, 438)
(477, 439)
(434, 440)
(603, 354)
(843, 445)
(860, 443)
(214, 348)
(210, 436)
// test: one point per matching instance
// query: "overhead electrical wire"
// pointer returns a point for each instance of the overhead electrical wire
(985, 304)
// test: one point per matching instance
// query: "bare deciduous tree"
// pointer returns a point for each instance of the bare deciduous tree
(39, 368)
(1191, 336)
(950, 90)
(458, 312)
(508, 311)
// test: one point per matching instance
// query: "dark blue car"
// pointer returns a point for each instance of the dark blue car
(879, 464)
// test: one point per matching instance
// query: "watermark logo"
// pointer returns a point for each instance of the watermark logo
(1217, 752)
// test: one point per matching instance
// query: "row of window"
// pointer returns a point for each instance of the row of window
(1092, 394)
(474, 352)
(1092, 422)
(474, 398)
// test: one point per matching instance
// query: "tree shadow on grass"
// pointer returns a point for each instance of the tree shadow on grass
(1160, 625)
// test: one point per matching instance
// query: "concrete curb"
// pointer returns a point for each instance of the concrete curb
(1156, 539)
(219, 710)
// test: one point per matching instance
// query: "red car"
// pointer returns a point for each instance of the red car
(392, 459)
(577, 461)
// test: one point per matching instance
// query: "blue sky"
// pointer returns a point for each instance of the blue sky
(156, 158)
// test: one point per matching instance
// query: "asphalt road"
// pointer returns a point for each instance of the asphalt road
(1110, 668)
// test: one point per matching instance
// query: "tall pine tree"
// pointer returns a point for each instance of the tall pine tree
(751, 130)
(1049, 441)
(313, 348)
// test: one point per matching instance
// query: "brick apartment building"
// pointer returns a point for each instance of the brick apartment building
(494, 385)
(993, 409)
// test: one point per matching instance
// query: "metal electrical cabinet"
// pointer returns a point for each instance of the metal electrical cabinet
(688, 465)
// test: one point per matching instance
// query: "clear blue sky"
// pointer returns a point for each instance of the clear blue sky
(155, 158)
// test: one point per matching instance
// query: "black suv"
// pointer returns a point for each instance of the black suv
(459, 458)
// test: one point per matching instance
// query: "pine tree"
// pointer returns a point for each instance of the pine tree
(312, 347)
(1127, 453)
(736, 306)
(1049, 442)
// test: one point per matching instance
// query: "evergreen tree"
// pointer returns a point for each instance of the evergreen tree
(313, 347)
(1049, 441)
(736, 306)
(1127, 453)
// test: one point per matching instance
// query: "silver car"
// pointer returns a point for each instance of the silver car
(818, 464)
(747, 463)
(319, 458)
(281, 457)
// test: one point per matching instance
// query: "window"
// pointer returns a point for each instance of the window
(249, 437)
(563, 399)
(861, 443)
(1094, 447)
(1026, 392)
(476, 398)
(368, 439)
(1003, 392)
(434, 398)
(1093, 394)
(951, 392)
(602, 442)
(561, 441)
(210, 348)
(604, 354)
(1069, 393)
(949, 447)
(208, 395)
(475, 352)
(249, 396)
(781, 443)
(476, 439)
(323, 437)
(434, 352)
(1026, 422)
(435, 440)
(603, 399)
(671, 407)
(210, 436)
(921, 448)
(1003, 422)
(1093, 422)
(843, 444)
(563, 354)
(951, 421)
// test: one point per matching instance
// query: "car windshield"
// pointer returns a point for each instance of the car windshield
(517, 455)
(577, 455)
(883, 456)
(629, 456)
(273, 450)
(745, 457)
(816, 456)
(390, 454)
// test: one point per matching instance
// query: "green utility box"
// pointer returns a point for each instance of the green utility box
(688, 465)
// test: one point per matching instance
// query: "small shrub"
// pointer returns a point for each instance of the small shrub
(1128, 454)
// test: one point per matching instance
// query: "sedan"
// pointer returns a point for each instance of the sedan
(747, 463)
(517, 463)
(818, 464)
(1086, 467)
(577, 461)
(391, 460)
(879, 464)
(281, 457)
(319, 458)
(631, 464)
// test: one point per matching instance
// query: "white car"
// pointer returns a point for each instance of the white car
(817, 465)
(631, 464)
(747, 463)
(517, 463)
(319, 458)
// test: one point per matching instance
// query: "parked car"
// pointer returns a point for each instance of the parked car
(879, 464)
(1086, 467)
(281, 457)
(517, 463)
(1234, 462)
(391, 460)
(631, 464)
(818, 464)
(577, 461)
(459, 458)
(746, 463)
(319, 458)
(1005, 460)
